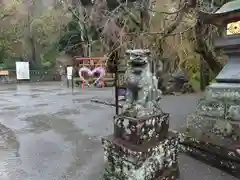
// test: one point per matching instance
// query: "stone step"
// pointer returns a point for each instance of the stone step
(224, 149)
(231, 167)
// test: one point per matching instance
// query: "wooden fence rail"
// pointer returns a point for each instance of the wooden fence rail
(35, 76)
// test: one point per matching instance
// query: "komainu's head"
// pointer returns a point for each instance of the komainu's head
(138, 58)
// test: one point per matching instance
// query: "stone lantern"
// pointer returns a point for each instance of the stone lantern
(213, 132)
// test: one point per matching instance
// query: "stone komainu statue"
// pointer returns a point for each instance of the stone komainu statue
(143, 94)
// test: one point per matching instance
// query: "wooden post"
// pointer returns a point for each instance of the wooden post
(102, 83)
(82, 81)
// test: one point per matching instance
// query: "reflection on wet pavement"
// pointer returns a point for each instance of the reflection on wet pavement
(49, 124)
(48, 133)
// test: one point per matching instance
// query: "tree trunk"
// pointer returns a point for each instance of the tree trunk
(206, 54)
(204, 74)
(34, 64)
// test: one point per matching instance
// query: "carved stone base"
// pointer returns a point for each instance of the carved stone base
(212, 133)
(126, 161)
(222, 156)
(171, 173)
(142, 131)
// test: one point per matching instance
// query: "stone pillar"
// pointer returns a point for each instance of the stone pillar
(141, 147)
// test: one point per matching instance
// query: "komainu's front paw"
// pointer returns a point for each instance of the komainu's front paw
(125, 107)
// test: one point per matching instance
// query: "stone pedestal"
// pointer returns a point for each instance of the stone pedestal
(141, 149)
(213, 131)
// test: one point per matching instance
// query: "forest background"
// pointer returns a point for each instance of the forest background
(43, 31)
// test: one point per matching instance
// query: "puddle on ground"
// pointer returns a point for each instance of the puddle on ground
(66, 112)
(21, 95)
(41, 105)
(81, 100)
(11, 108)
(41, 90)
(62, 126)
(84, 146)
(9, 89)
(35, 95)
(58, 159)
(4, 100)
(8, 140)
(37, 124)
(62, 94)
(92, 106)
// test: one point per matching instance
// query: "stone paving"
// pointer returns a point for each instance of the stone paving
(48, 133)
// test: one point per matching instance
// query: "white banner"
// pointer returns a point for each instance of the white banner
(22, 70)
(69, 72)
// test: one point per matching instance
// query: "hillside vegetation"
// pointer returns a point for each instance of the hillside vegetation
(42, 31)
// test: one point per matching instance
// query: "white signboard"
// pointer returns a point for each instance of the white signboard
(69, 72)
(22, 70)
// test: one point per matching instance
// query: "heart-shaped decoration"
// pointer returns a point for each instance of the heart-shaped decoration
(89, 72)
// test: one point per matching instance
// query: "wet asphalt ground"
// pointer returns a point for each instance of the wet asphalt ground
(48, 133)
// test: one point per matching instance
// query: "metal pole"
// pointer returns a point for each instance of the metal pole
(72, 78)
(73, 70)
(141, 26)
(116, 85)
